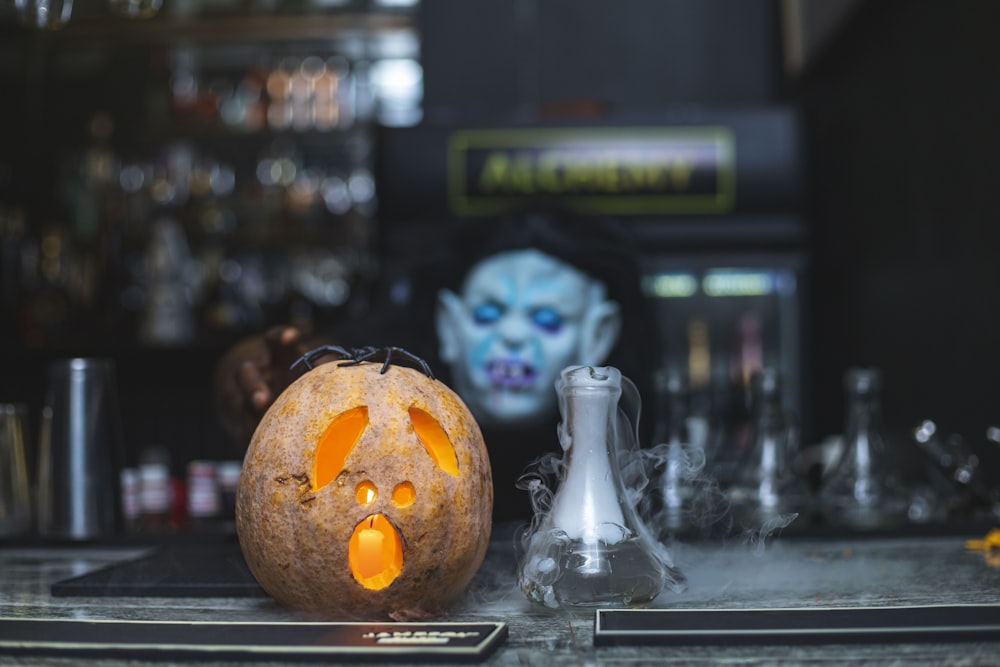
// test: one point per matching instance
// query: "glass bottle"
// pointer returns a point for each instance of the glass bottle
(679, 446)
(15, 492)
(863, 490)
(956, 465)
(591, 548)
(767, 487)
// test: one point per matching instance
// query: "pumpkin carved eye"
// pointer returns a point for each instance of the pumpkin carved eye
(434, 440)
(336, 444)
(343, 433)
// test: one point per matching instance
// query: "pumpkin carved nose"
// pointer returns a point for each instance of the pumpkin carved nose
(375, 552)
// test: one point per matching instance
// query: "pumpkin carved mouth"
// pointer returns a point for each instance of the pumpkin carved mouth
(375, 552)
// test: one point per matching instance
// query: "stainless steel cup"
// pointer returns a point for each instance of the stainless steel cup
(15, 490)
(80, 451)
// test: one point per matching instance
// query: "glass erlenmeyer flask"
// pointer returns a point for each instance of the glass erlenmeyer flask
(678, 489)
(592, 549)
(864, 489)
(767, 488)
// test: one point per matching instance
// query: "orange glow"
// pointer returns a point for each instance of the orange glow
(336, 444)
(366, 493)
(434, 440)
(404, 494)
(375, 553)
(989, 545)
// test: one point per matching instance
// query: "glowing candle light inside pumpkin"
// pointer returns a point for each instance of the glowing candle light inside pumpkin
(369, 552)
(375, 553)
(366, 493)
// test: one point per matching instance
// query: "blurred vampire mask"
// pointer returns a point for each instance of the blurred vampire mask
(522, 316)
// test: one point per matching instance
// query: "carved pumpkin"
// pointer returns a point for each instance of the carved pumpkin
(366, 493)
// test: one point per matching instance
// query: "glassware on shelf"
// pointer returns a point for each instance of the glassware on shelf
(15, 490)
(136, 9)
(767, 487)
(864, 490)
(591, 548)
(44, 14)
(955, 464)
(170, 284)
(679, 446)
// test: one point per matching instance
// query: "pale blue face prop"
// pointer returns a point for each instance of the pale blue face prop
(521, 318)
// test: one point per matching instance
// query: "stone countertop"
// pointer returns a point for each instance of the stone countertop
(798, 572)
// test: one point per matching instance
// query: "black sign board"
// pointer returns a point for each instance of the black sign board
(463, 642)
(632, 170)
(695, 164)
(807, 625)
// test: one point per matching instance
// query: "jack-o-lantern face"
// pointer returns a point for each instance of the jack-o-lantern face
(365, 495)
(375, 551)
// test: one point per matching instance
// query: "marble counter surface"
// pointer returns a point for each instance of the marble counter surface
(781, 573)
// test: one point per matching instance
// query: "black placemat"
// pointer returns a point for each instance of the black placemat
(809, 625)
(384, 642)
(187, 570)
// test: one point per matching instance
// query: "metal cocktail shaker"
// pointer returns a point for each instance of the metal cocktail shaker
(80, 451)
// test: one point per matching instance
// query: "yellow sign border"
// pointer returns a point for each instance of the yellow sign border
(460, 141)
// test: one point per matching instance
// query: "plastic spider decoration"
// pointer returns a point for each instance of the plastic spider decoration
(357, 355)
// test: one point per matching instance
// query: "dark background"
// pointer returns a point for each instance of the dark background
(900, 111)
(900, 125)
(901, 119)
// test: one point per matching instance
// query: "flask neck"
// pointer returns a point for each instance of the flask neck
(864, 414)
(589, 504)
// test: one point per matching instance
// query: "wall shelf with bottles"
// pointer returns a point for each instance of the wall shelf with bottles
(261, 28)
(209, 169)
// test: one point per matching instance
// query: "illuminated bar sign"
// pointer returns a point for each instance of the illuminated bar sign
(624, 171)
